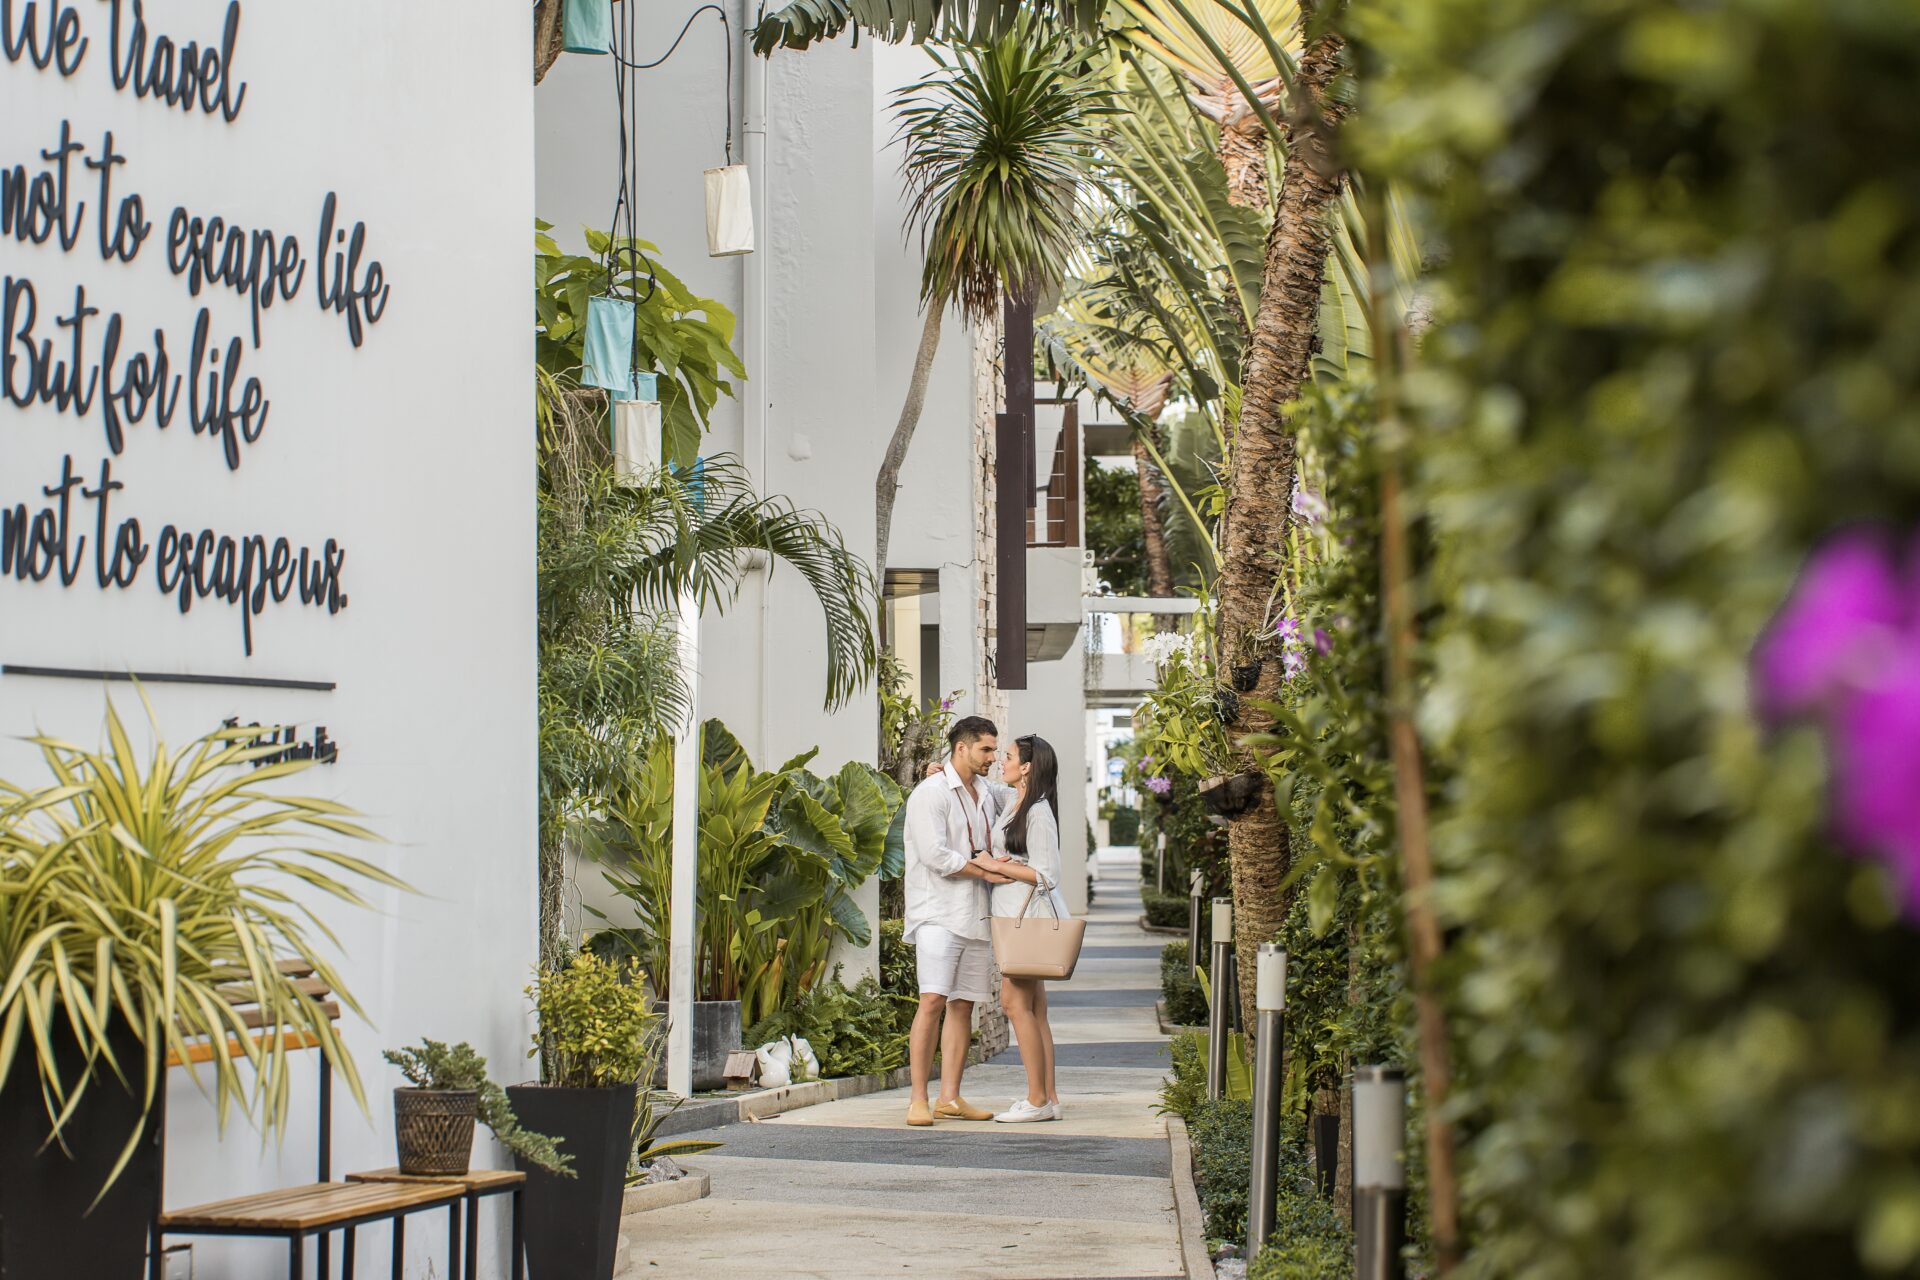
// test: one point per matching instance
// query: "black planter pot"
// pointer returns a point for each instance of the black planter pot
(1228, 798)
(573, 1224)
(1246, 676)
(46, 1230)
(716, 1033)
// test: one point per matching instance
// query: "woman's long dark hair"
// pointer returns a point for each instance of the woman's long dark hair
(1043, 783)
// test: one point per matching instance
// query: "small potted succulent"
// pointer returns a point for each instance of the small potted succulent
(594, 1020)
(434, 1114)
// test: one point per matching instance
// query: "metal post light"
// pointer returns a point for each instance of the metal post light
(1379, 1172)
(1217, 1007)
(1270, 1004)
(1193, 923)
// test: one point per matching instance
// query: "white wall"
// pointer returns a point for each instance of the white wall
(412, 451)
(763, 657)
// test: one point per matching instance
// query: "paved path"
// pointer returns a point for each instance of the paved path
(846, 1191)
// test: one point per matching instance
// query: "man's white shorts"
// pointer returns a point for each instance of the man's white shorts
(952, 966)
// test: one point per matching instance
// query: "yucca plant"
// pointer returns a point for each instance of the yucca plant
(154, 893)
(997, 138)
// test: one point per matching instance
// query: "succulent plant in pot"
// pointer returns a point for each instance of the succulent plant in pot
(433, 1119)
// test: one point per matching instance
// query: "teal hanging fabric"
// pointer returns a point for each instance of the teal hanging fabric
(587, 26)
(641, 386)
(607, 361)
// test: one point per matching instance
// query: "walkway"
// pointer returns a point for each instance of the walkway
(846, 1191)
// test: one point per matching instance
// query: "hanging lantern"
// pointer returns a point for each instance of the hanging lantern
(587, 26)
(607, 360)
(729, 211)
(636, 430)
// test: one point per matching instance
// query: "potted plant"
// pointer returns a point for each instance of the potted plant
(1227, 797)
(140, 900)
(592, 1042)
(433, 1119)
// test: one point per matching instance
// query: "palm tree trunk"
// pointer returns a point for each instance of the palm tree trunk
(546, 36)
(553, 888)
(1153, 528)
(1243, 154)
(886, 486)
(1260, 479)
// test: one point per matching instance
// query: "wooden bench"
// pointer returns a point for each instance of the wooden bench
(474, 1184)
(319, 1208)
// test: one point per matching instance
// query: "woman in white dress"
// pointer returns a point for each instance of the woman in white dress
(1026, 850)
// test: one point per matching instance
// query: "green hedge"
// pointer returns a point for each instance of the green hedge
(1167, 910)
(1186, 1001)
(1222, 1135)
(1677, 326)
(1308, 1241)
(1124, 827)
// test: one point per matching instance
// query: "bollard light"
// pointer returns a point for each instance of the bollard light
(1379, 1172)
(1195, 887)
(1270, 1005)
(1217, 1014)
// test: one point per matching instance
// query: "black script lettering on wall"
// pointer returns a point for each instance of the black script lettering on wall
(76, 357)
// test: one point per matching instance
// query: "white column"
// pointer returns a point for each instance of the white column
(686, 830)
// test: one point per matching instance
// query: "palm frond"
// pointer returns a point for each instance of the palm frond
(997, 139)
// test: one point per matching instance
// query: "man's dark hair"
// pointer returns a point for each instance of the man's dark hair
(967, 728)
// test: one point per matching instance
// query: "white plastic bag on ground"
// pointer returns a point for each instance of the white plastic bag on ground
(789, 1060)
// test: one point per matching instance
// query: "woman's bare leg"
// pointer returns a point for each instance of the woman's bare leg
(1016, 995)
(1045, 1028)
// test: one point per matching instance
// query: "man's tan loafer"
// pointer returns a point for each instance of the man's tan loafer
(960, 1109)
(918, 1115)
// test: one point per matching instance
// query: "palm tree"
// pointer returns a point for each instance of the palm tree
(613, 560)
(1234, 70)
(997, 138)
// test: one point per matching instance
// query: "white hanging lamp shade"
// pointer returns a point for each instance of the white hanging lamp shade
(636, 433)
(729, 211)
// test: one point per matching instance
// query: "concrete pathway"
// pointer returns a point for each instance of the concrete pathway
(846, 1191)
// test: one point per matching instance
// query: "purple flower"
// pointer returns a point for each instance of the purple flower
(1839, 621)
(946, 704)
(1322, 641)
(1289, 631)
(1309, 506)
(1292, 663)
(1846, 646)
(1159, 786)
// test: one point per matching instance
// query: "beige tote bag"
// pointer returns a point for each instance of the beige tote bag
(1037, 946)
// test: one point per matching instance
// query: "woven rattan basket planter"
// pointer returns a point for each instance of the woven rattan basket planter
(434, 1130)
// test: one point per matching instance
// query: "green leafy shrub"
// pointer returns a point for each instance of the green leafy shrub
(855, 1031)
(1308, 1241)
(434, 1065)
(1165, 910)
(1222, 1134)
(1185, 1087)
(1124, 828)
(1186, 1001)
(594, 1021)
(1674, 350)
(899, 972)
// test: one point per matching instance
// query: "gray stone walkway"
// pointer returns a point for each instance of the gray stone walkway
(847, 1191)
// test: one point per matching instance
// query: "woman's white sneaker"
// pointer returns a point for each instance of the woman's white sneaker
(1024, 1112)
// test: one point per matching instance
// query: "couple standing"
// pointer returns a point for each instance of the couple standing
(977, 848)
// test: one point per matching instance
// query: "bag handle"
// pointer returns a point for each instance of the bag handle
(1028, 906)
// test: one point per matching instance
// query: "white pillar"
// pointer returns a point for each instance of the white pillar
(686, 830)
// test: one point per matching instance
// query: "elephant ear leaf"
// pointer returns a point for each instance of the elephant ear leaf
(866, 811)
(849, 919)
(788, 893)
(893, 861)
(810, 827)
(721, 750)
(800, 761)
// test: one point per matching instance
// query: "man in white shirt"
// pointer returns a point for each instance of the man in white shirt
(950, 819)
